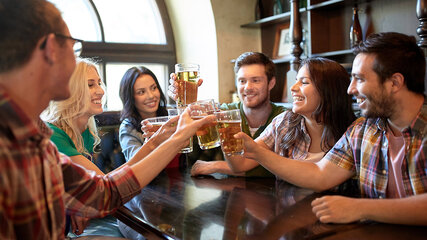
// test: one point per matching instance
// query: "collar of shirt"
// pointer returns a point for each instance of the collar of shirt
(245, 126)
(418, 125)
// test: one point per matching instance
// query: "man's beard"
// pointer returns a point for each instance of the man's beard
(379, 107)
(261, 103)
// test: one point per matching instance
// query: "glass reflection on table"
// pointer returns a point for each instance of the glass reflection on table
(222, 207)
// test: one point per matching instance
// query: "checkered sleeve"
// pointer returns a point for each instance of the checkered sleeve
(269, 135)
(91, 195)
(342, 152)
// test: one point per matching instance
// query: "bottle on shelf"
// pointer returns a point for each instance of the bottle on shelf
(356, 35)
(302, 3)
(259, 10)
(277, 7)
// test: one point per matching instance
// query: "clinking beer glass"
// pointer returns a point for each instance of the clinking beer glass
(177, 111)
(207, 135)
(229, 123)
(156, 122)
(187, 76)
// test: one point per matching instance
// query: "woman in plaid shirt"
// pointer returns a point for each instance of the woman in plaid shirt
(320, 114)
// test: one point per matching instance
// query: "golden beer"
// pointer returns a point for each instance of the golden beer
(156, 123)
(229, 123)
(229, 144)
(187, 76)
(174, 112)
(207, 135)
(187, 87)
(156, 126)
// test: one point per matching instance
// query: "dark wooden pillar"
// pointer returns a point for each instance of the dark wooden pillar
(422, 31)
(422, 28)
(296, 34)
(296, 50)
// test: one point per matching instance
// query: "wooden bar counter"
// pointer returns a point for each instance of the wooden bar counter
(178, 206)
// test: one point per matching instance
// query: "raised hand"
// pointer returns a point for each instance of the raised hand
(187, 127)
(173, 86)
(164, 132)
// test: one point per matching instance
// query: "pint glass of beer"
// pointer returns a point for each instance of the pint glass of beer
(177, 111)
(229, 123)
(156, 122)
(187, 76)
(207, 135)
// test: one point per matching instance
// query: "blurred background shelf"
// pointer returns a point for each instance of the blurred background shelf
(326, 28)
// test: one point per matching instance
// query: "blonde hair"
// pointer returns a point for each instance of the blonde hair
(63, 113)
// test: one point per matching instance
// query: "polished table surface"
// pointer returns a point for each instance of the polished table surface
(178, 206)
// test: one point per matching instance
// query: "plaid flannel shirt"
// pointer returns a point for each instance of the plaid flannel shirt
(37, 183)
(364, 150)
(273, 137)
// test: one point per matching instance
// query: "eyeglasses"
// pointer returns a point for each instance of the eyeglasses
(78, 44)
(77, 47)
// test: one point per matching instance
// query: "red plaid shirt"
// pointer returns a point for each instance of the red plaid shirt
(37, 183)
(364, 150)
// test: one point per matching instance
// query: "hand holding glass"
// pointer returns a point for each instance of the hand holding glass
(155, 122)
(207, 135)
(187, 77)
(229, 123)
(175, 112)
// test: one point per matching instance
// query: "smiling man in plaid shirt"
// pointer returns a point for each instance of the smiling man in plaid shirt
(386, 151)
(37, 183)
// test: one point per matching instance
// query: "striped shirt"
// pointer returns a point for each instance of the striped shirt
(363, 149)
(38, 184)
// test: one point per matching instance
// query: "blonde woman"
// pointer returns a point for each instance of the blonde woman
(75, 134)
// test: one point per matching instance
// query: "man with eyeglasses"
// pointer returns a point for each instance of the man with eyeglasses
(37, 183)
(77, 47)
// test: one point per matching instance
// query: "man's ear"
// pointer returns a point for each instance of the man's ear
(397, 81)
(272, 83)
(50, 49)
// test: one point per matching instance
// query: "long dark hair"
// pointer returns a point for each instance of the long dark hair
(335, 108)
(127, 96)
